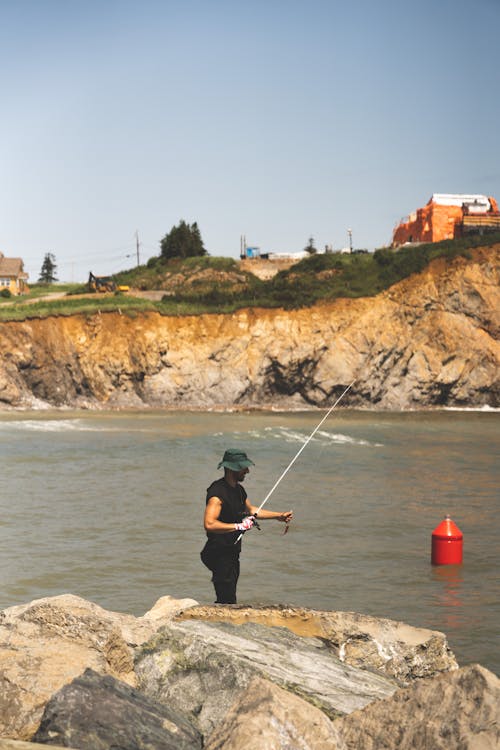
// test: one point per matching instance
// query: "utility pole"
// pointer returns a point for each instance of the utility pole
(349, 232)
(137, 246)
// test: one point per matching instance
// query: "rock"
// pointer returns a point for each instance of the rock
(268, 717)
(97, 712)
(21, 745)
(47, 643)
(392, 648)
(459, 710)
(430, 340)
(165, 609)
(277, 677)
(200, 669)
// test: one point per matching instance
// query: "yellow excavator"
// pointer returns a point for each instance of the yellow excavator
(104, 284)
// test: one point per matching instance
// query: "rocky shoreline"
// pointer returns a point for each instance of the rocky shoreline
(186, 676)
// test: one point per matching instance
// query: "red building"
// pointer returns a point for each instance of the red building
(447, 216)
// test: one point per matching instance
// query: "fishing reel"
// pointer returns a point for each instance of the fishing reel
(255, 522)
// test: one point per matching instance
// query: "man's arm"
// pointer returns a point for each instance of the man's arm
(212, 523)
(263, 514)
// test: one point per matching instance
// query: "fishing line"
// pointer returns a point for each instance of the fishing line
(298, 453)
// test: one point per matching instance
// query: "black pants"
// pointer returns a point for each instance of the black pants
(225, 567)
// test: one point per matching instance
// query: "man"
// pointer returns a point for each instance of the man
(228, 514)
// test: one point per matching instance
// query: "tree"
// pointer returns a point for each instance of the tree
(183, 241)
(48, 269)
(309, 248)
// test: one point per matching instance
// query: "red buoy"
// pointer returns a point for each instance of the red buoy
(447, 544)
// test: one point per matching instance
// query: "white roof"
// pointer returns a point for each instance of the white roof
(290, 256)
(454, 199)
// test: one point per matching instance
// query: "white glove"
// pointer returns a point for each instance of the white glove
(246, 524)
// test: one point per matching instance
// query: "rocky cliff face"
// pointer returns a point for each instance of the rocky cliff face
(431, 340)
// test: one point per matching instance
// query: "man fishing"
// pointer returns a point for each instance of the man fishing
(228, 515)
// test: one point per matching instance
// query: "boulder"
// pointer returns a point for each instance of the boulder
(47, 643)
(266, 716)
(387, 646)
(96, 712)
(232, 677)
(201, 668)
(459, 710)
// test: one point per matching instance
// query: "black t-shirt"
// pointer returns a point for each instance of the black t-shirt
(233, 511)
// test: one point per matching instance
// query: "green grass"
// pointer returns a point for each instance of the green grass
(156, 271)
(328, 277)
(316, 278)
(67, 306)
(55, 287)
(40, 290)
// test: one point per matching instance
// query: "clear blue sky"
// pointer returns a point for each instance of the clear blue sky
(276, 119)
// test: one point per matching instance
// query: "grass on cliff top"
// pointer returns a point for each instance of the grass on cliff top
(326, 277)
(157, 273)
(20, 310)
(218, 285)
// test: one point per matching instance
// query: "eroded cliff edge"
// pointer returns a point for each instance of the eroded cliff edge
(431, 340)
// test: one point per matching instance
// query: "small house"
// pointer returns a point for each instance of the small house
(13, 276)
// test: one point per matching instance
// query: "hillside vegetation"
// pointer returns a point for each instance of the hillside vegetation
(218, 284)
(211, 284)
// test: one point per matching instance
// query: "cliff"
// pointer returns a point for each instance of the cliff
(431, 340)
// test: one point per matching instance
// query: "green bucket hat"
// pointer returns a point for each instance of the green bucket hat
(235, 460)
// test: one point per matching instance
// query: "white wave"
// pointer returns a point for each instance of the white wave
(290, 436)
(340, 438)
(321, 437)
(484, 408)
(42, 425)
(56, 425)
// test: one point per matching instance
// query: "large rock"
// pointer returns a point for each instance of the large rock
(387, 646)
(218, 675)
(266, 717)
(455, 711)
(100, 713)
(21, 745)
(430, 340)
(202, 668)
(49, 642)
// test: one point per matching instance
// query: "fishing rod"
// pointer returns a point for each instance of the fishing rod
(298, 454)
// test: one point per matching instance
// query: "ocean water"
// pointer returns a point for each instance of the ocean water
(109, 506)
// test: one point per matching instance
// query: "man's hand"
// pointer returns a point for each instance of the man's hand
(246, 524)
